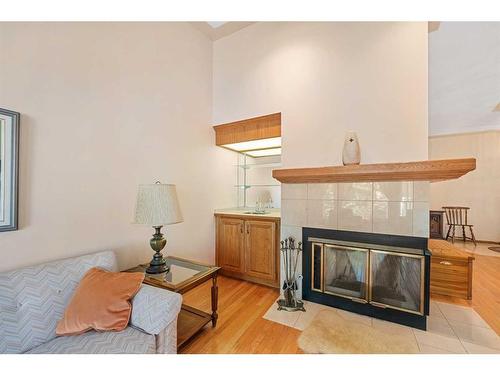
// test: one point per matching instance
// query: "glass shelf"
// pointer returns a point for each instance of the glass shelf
(254, 180)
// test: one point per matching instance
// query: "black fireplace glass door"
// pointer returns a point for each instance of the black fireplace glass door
(345, 271)
(397, 280)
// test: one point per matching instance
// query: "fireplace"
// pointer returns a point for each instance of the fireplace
(383, 276)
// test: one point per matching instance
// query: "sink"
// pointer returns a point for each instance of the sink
(256, 212)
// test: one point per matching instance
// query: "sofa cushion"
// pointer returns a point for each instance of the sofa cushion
(101, 302)
(128, 341)
(33, 299)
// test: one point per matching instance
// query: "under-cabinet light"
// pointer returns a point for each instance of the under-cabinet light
(264, 152)
(257, 144)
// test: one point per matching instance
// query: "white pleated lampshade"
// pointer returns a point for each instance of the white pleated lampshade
(157, 205)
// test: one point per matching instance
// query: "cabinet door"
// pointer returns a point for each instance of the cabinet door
(230, 248)
(260, 249)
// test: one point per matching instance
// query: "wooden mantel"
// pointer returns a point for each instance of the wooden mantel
(428, 170)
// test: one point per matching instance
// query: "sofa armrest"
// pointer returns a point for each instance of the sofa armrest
(153, 309)
(166, 340)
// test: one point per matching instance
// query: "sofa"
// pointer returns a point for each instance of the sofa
(33, 299)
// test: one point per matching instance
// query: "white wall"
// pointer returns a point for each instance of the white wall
(108, 106)
(327, 78)
(105, 107)
(480, 189)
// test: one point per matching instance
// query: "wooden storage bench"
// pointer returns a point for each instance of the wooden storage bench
(451, 270)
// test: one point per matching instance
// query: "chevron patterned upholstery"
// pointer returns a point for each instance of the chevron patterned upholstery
(153, 309)
(128, 341)
(33, 299)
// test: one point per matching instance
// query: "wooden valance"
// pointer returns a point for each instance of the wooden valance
(268, 126)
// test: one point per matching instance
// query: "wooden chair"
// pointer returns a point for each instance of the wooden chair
(457, 217)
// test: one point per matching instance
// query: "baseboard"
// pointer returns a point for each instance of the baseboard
(459, 239)
(486, 241)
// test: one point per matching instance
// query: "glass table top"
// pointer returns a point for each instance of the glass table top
(181, 271)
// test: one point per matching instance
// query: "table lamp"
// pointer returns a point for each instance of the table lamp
(157, 205)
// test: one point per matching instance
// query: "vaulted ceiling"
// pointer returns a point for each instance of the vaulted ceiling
(464, 77)
(464, 73)
(216, 30)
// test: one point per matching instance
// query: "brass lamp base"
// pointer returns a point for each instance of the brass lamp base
(158, 264)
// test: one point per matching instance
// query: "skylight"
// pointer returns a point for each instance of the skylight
(216, 24)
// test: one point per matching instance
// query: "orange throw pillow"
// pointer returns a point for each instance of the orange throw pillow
(101, 302)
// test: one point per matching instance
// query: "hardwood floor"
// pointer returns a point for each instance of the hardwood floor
(485, 291)
(240, 328)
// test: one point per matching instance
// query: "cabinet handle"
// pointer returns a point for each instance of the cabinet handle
(248, 229)
(241, 228)
(445, 263)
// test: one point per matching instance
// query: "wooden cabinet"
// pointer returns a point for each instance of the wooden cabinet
(451, 270)
(260, 249)
(230, 241)
(248, 248)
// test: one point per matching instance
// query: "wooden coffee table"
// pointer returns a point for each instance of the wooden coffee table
(183, 276)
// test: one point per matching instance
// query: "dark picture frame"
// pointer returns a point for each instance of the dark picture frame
(9, 176)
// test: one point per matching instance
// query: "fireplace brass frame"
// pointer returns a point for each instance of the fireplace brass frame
(422, 282)
(367, 268)
(372, 241)
(369, 246)
(322, 267)
(368, 273)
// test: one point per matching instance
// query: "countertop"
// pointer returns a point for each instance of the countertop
(271, 212)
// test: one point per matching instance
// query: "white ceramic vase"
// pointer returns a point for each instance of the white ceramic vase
(351, 153)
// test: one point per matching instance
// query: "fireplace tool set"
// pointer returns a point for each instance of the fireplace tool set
(290, 255)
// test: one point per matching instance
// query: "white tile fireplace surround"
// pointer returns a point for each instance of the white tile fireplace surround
(398, 208)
